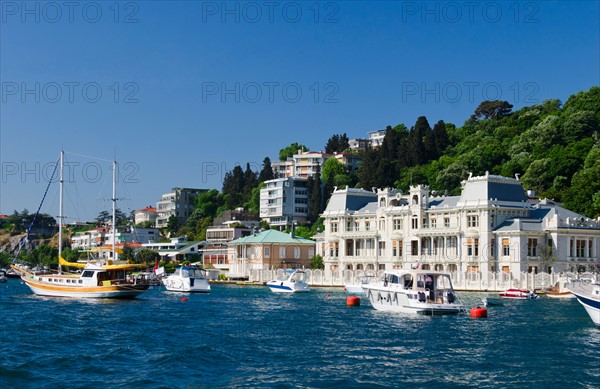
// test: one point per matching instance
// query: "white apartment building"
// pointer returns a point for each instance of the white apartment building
(491, 227)
(179, 202)
(306, 164)
(375, 139)
(101, 236)
(145, 215)
(284, 200)
(177, 249)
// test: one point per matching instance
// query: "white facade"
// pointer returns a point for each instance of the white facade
(179, 202)
(145, 215)
(306, 164)
(176, 249)
(491, 227)
(102, 236)
(284, 200)
(375, 139)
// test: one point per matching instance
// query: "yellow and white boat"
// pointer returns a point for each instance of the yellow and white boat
(102, 278)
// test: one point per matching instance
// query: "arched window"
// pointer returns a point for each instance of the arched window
(415, 200)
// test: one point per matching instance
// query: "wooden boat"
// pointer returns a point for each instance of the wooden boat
(103, 278)
(559, 291)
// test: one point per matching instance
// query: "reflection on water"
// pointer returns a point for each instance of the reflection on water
(249, 336)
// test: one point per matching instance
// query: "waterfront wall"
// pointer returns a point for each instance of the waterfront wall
(461, 281)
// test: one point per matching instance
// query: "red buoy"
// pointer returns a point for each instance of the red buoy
(479, 313)
(352, 301)
(184, 299)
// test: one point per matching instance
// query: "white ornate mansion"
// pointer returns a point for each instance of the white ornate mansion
(492, 229)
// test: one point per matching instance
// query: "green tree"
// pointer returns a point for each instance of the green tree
(289, 151)
(331, 168)
(316, 262)
(127, 253)
(103, 218)
(337, 143)
(491, 109)
(146, 256)
(266, 173)
(316, 200)
(172, 224)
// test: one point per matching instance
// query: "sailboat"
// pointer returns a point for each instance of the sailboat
(102, 278)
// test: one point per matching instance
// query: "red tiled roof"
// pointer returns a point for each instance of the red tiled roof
(149, 208)
(3, 216)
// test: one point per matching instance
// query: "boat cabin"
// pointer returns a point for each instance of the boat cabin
(190, 272)
(428, 286)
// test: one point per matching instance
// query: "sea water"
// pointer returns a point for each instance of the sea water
(243, 336)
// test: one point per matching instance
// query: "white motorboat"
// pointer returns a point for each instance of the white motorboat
(2, 276)
(414, 291)
(190, 279)
(291, 281)
(518, 294)
(357, 289)
(588, 295)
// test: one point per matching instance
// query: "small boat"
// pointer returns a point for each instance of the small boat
(518, 294)
(588, 295)
(414, 291)
(559, 291)
(491, 302)
(189, 278)
(2, 276)
(357, 289)
(291, 281)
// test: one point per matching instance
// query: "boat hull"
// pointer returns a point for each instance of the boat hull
(560, 295)
(354, 289)
(588, 296)
(109, 292)
(283, 287)
(518, 294)
(185, 286)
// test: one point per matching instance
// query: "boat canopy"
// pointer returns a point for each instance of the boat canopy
(108, 266)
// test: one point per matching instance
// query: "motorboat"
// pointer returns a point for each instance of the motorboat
(2, 276)
(559, 291)
(187, 278)
(414, 291)
(491, 302)
(518, 294)
(588, 295)
(291, 281)
(357, 288)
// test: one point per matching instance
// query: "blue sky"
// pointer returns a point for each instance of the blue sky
(183, 91)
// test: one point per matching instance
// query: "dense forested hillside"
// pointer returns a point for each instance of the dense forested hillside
(554, 148)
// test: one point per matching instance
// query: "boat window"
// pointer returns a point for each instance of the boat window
(407, 281)
(392, 278)
(88, 273)
(185, 273)
(443, 282)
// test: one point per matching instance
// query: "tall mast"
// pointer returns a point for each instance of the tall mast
(60, 206)
(114, 208)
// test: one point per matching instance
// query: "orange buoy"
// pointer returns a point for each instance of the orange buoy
(184, 299)
(479, 313)
(352, 301)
